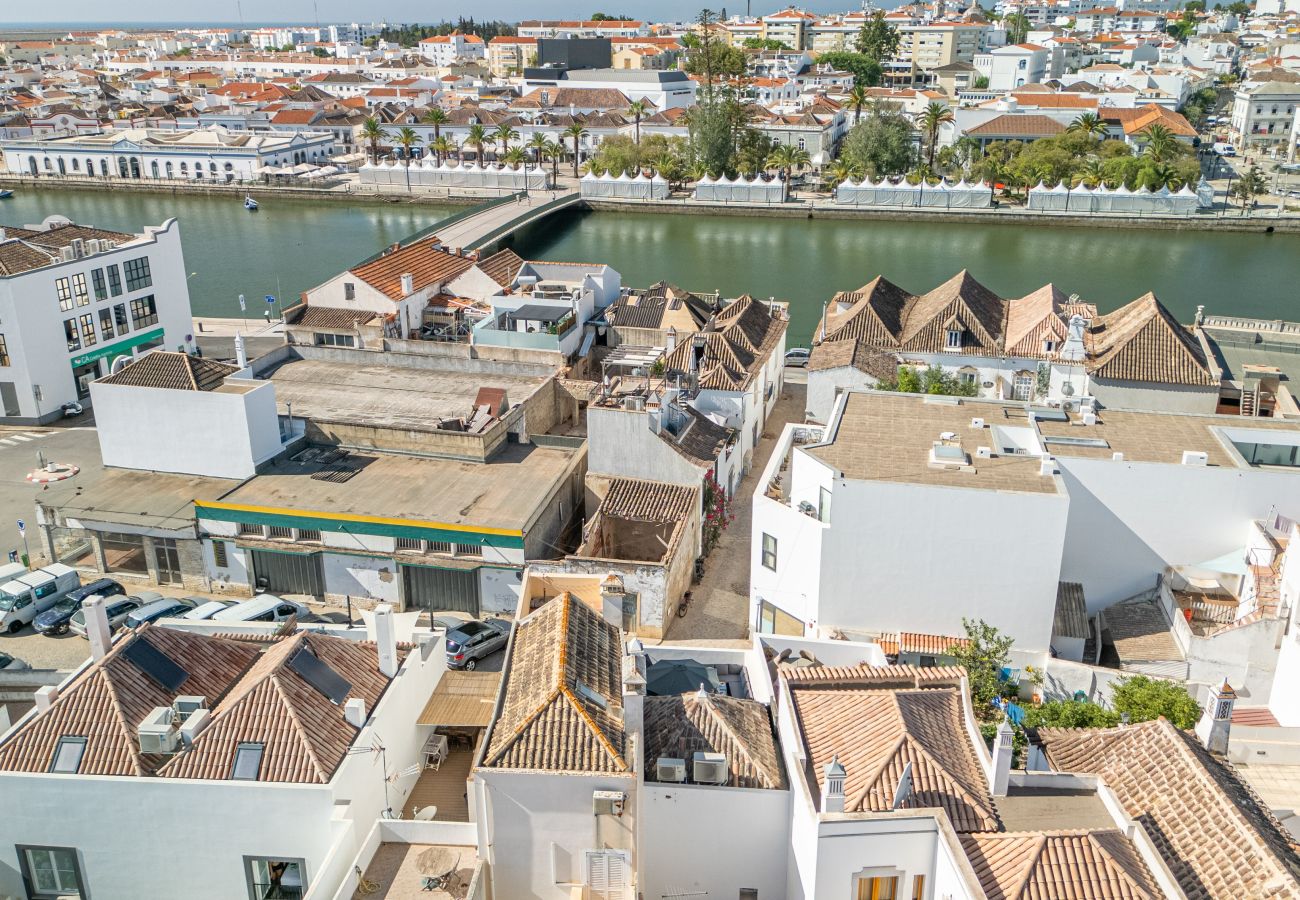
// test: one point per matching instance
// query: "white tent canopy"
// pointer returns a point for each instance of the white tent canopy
(943, 195)
(428, 173)
(1083, 199)
(624, 186)
(740, 190)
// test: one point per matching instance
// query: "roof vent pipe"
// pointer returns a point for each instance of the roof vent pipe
(386, 639)
(408, 284)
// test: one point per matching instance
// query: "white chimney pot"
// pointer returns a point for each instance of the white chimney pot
(45, 697)
(97, 627)
(386, 639)
(354, 711)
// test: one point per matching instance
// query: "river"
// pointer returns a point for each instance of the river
(292, 245)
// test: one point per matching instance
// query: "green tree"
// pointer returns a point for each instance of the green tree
(1089, 124)
(857, 98)
(1070, 714)
(764, 44)
(786, 159)
(980, 83)
(752, 151)
(1239, 8)
(881, 144)
(373, 133)
(1251, 184)
(437, 117)
(577, 133)
(554, 151)
(866, 71)
(441, 147)
(1161, 144)
(716, 126)
(709, 58)
(537, 143)
(636, 109)
(985, 655)
(476, 137)
(503, 136)
(515, 157)
(878, 39)
(1017, 26)
(840, 171)
(934, 117)
(407, 138)
(1144, 698)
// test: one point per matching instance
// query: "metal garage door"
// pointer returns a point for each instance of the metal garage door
(439, 590)
(289, 573)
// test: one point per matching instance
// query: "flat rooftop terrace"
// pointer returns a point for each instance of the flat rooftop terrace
(888, 437)
(134, 497)
(1154, 437)
(503, 493)
(388, 396)
(1051, 809)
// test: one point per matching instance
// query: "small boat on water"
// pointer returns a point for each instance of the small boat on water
(250, 204)
(5, 195)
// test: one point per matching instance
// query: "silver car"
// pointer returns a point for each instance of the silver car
(118, 608)
(469, 642)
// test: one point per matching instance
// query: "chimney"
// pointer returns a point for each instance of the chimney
(97, 627)
(386, 639)
(833, 787)
(45, 697)
(1216, 722)
(671, 339)
(354, 712)
(241, 355)
(1002, 759)
(408, 284)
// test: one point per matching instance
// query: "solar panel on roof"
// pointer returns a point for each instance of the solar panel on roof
(319, 675)
(158, 666)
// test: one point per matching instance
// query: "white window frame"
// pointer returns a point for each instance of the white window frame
(605, 874)
(952, 339)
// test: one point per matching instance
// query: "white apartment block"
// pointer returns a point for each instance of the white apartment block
(1008, 68)
(445, 49)
(1263, 116)
(77, 301)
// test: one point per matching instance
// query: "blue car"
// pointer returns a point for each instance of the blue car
(58, 617)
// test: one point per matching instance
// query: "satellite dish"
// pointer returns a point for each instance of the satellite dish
(1067, 389)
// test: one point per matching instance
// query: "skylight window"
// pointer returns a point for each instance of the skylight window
(248, 762)
(591, 696)
(67, 755)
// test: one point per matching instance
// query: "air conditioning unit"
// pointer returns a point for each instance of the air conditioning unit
(158, 732)
(608, 803)
(1089, 418)
(1196, 458)
(187, 704)
(78, 248)
(672, 770)
(983, 452)
(709, 768)
(634, 402)
(66, 254)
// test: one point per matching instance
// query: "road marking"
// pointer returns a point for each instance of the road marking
(19, 437)
(35, 434)
(7, 443)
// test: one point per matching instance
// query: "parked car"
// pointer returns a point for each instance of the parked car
(206, 609)
(263, 608)
(473, 640)
(117, 608)
(10, 664)
(27, 596)
(1224, 149)
(797, 356)
(56, 619)
(164, 608)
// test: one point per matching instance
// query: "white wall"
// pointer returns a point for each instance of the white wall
(713, 841)
(538, 824)
(362, 576)
(620, 442)
(210, 433)
(499, 589)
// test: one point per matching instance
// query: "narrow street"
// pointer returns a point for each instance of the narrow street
(719, 612)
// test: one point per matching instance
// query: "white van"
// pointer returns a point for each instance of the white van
(10, 571)
(27, 596)
(263, 608)
(1224, 149)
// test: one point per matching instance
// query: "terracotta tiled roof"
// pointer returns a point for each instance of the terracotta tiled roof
(960, 302)
(879, 364)
(305, 316)
(681, 725)
(1018, 125)
(427, 261)
(1071, 617)
(1060, 865)
(562, 656)
(1140, 632)
(24, 249)
(875, 733)
(744, 335)
(304, 735)
(649, 308)
(913, 642)
(1143, 342)
(1216, 836)
(107, 703)
(173, 370)
(649, 501)
(877, 676)
(501, 267)
(699, 439)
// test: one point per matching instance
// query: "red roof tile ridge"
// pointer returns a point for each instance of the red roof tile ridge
(119, 713)
(298, 726)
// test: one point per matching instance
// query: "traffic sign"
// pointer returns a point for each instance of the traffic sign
(22, 526)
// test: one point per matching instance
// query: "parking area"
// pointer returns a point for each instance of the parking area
(20, 449)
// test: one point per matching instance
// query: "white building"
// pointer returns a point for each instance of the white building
(874, 522)
(1008, 68)
(445, 49)
(664, 89)
(262, 757)
(207, 154)
(1263, 116)
(77, 300)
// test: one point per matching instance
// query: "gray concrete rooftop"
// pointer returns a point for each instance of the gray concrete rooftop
(503, 493)
(1051, 809)
(385, 396)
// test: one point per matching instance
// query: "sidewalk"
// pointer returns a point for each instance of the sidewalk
(719, 613)
(253, 326)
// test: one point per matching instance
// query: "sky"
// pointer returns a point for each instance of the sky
(302, 11)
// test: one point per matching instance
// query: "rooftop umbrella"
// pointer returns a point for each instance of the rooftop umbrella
(680, 676)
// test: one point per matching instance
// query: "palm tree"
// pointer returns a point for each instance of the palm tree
(537, 143)
(786, 159)
(1161, 175)
(1161, 143)
(934, 116)
(696, 171)
(577, 132)
(372, 133)
(476, 138)
(407, 138)
(858, 98)
(515, 157)
(437, 117)
(840, 171)
(1093, 173)
(636, 109)
(1017, 27)
(554, 151)
(1089, 124)
(503, 136)
(441, 148)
